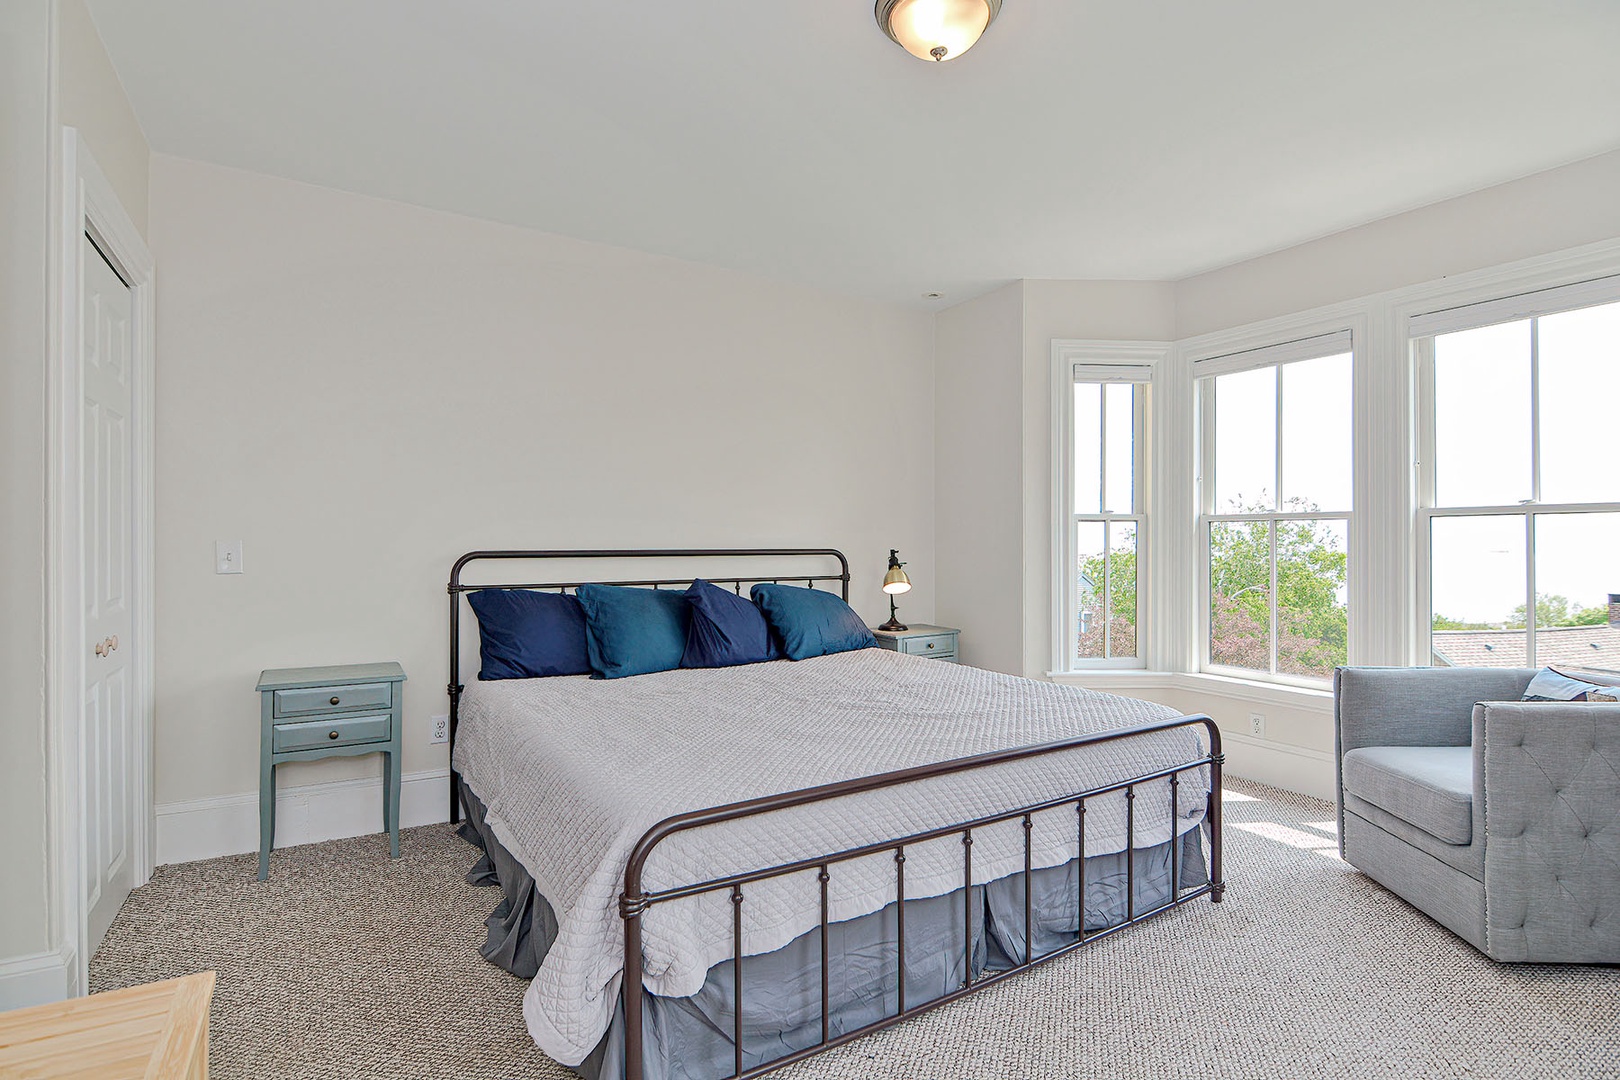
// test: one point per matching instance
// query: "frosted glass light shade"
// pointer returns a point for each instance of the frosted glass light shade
(936, 29)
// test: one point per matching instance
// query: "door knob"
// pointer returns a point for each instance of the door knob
(106, 647)
(101, 648)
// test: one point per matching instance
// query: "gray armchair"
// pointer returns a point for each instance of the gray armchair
(1498, 818)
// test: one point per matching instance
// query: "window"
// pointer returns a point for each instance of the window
(1518, 482)
(1277, 495)
(1104, 503)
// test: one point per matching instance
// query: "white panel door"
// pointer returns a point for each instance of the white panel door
(109, 755)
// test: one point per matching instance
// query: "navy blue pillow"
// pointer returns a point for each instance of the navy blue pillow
(524, 634)
(810, 622)
(726, 630)
(633, 631)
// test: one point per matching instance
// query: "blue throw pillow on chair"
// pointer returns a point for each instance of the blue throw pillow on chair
(523, 634)
(810, 622)
(726, 630)
(633, 631)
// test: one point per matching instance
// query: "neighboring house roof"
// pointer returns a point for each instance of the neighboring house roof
(1557, 646)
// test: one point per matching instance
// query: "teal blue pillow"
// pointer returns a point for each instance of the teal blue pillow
(633, 631)
(810, 622)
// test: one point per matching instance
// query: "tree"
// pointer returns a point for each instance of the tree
(1312, 622)
(1121, 622)
(1554, 610)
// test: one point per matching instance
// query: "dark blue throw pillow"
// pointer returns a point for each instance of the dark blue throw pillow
(524, 634)
(726, 630)
(633, 631)
(810, 622)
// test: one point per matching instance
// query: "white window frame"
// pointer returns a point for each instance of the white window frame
(1136, 363)
(1421, 330)
(1205, 371)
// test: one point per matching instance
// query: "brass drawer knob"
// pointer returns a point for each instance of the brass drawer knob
(332, 735)
(334, 701)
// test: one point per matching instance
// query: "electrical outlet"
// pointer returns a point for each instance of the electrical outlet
(1257, 725)
(227, 556)
(440, 732)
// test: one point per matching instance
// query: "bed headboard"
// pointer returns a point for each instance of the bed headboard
(801, 559)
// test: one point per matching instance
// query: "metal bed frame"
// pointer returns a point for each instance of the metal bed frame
(635, 900)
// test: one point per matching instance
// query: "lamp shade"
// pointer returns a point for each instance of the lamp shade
(895, 581)
(936, 29)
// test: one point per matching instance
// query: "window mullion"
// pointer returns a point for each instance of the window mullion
(1530, 587)
(1102, 451)
(1107, 590)
(1273, 598)
(1277, 448)
(1535, 410)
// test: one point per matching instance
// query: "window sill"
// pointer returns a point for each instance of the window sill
(1266, 693)
(1305, 698)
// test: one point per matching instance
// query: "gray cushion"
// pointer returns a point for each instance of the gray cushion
(1430, 787)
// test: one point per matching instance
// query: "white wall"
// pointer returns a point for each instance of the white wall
(91, 99)
(362, 390)
(978, 511)
(24, 123)
(53, 70)
(1550, 211)
(1091, 310)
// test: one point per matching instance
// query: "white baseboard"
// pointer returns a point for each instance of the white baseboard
(1292, 768)
(229, 824)
(36, 979)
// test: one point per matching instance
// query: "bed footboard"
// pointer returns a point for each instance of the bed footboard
(635, 900)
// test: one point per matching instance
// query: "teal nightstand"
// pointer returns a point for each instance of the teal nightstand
(933, 642)
(320, 712)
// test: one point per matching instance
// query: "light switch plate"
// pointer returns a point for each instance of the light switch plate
(227, 556)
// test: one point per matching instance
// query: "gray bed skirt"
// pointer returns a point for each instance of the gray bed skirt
(690, 1038)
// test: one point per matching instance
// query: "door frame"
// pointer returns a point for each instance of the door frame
(89, 206)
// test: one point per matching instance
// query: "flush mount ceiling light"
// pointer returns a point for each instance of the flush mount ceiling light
(936, 29)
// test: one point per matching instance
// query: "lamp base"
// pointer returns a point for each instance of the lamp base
(893, 625)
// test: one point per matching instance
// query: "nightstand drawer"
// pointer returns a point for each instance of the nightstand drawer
(324, 699)
(339, 731)
(929, 645)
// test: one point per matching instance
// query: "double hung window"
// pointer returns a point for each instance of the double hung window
(1276, 495)
(1520, 494)
(1106, 515)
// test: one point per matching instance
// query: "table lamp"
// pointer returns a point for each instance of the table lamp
(895, 582)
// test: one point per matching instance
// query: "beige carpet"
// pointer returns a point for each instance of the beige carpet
(346, 964)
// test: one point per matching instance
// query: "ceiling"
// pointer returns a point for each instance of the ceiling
(1137, 139)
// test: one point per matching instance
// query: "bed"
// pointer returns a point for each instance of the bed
(715, 872)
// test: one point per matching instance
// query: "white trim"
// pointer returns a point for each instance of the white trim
(1275, 355)
(1526, 305)
(1282, 696)
(1281, 765)
(1074, 359)
(1344, 328)
(88, 204)
(306, 814)
(35, 979)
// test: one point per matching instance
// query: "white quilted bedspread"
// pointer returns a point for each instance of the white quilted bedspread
(574, 771)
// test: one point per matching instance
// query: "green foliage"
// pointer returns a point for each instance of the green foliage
(1312, 621)
(1312, 571)
(1121, 571)
(1445, 622)
(1554, 610)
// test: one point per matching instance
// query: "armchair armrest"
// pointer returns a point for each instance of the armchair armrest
(1547, 797)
